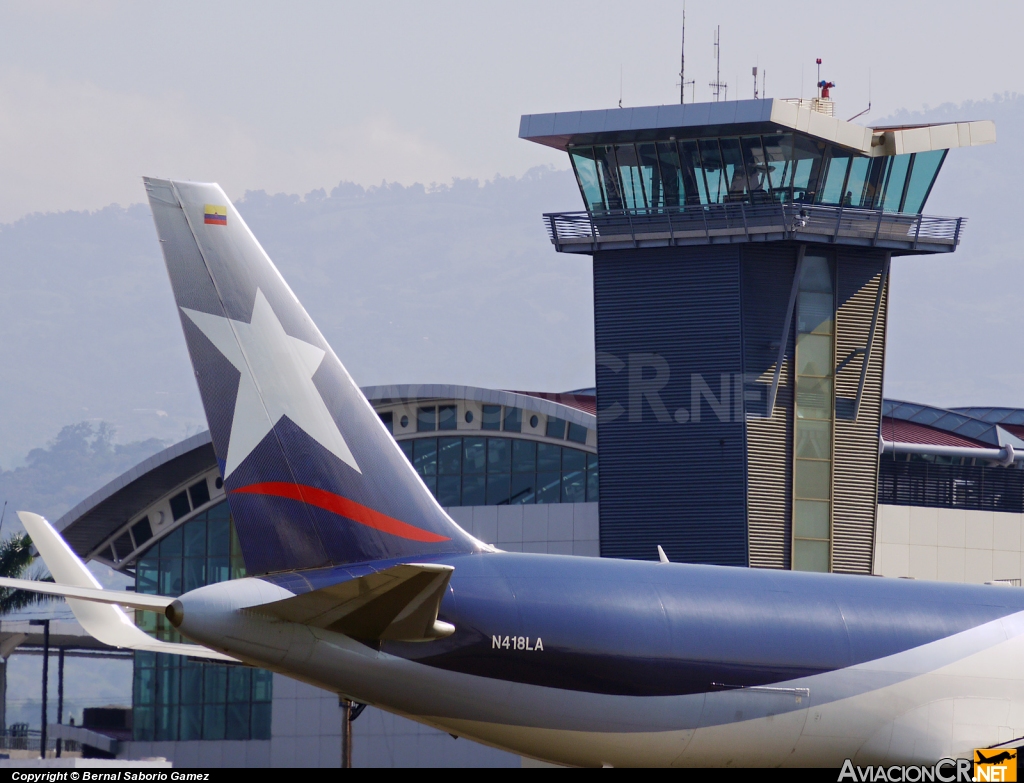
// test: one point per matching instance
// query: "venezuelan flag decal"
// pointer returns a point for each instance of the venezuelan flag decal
(215, 215)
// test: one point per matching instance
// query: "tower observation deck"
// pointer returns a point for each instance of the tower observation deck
(741, 253)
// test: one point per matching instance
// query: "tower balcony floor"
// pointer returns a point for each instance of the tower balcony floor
(903, 234)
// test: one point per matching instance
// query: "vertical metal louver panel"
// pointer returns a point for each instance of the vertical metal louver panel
(855, 482)
(767, 281)
(665, 478)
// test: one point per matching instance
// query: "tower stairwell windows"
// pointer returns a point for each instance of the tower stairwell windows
(813, 427)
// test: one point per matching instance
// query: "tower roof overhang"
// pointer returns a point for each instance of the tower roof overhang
(561, 130)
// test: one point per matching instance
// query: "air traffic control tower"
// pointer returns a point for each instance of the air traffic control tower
(741, 254)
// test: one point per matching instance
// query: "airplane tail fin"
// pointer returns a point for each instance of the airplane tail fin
(313, 477)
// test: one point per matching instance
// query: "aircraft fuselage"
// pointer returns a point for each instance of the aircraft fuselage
(598, 661)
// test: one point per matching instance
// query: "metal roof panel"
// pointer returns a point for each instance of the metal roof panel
(903, 431)
(558, 129)
(567, 123)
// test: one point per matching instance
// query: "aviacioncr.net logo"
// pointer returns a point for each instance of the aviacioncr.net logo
(943, 771)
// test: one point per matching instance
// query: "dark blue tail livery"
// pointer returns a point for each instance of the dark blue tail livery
(312, 475)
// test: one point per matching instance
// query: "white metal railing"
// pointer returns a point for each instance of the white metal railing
(706, 224)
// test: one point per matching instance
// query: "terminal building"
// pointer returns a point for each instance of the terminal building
(740, 255)
(515, 469)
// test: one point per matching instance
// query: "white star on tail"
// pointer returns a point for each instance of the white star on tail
(276, 380)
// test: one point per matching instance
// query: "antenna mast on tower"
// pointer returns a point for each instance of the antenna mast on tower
(682, 63)
(718, 85)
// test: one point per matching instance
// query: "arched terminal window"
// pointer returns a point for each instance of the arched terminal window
(479, 471)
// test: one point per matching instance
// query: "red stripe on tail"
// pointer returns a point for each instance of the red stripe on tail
(343, 507)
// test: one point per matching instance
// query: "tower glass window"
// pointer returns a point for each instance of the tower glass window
(813, 428)
(835, 179)
(924, 168)
(805, 168)
(174, 698)
(734, 175)
(650, 176)
(894, 182)
(777, 165)
(671, 176)
(711, 161)
(589, 179)
(695, 186)
(608, 175)
(630, 176)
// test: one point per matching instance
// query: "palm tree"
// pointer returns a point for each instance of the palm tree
(15, 560)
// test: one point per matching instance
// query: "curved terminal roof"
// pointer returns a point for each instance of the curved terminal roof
(583, 399)
(562, 129)
(571, 406)
(941, 426)
(902, 431)
(1011, 419)
(106, 511)
(109, 507)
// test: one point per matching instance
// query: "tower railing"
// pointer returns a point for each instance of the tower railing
(588, 232)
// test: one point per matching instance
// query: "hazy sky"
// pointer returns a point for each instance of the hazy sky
(296, 96)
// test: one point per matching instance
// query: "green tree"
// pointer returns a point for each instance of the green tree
(16, 563)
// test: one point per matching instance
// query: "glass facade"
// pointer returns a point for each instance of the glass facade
(917, 480)
(764, 169)
(175, 698)
(481, 471)
(813, 427)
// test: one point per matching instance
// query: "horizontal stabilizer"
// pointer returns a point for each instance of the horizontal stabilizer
(97, 610)
(397, 604)
(154, 603)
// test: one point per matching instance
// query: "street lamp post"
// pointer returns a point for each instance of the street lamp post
(46, 675)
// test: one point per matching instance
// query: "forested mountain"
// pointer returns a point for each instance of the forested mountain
(81, 459)
(453, 284)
